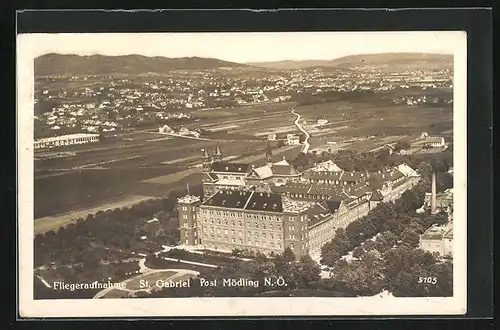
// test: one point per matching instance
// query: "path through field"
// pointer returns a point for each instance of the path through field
(299, 126)
(54, 222)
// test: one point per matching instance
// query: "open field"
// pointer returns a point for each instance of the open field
(45, 224)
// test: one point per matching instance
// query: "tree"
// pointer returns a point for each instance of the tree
(410, 237)
(402, 145)
(307, 272)
(444, 276)
(288, 255)
(358, 252)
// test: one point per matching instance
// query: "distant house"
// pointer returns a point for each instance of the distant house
(292, 140)
(165, 129)
(328, 166)
(434, 142)
(438, 239)
(66, 140)
(322, 121)
(184, 131)
(271, 136)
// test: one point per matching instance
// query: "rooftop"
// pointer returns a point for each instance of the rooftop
(188, 199)
(280, 169)
(317, 213)
(230, 167)
(294, 206)
(434, 233)
(67, 137)
(433, 139)
(247, 200)
(449, 233)
(336, 175)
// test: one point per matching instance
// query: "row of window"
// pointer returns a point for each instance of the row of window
(240, 215)
(186, 234)
(231, 246)
(240, 233)
(269, 226)
(335, 182)
(240, 241)
(292, 228)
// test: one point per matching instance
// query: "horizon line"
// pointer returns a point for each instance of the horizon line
(246, 62)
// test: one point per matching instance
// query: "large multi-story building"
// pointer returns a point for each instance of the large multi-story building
(273, 207)
(265, 222)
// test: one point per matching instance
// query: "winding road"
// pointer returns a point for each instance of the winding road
(307, 145)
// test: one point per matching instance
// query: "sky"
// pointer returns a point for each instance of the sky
(245, 47)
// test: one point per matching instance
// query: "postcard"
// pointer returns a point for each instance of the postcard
(242, 174)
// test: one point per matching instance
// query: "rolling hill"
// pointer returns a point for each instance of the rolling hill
(388, 61)
(57, 64)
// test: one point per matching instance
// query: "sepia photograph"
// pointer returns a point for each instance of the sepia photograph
(194, 174)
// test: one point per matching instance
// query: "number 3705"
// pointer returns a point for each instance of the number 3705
(427, 280)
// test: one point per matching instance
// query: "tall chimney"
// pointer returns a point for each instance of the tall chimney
(433, 197)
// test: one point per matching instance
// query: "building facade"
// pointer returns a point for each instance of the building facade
(292, 140)
(251, 220)
(187, 208)
(66, 140)
(438, 239)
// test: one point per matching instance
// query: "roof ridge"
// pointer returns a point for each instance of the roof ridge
(248, 200)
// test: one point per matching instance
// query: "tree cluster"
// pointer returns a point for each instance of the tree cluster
(384, 247)
(97, 247)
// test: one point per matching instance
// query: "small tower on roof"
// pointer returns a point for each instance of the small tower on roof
(269, 155)
(206, 160)
(217, 157)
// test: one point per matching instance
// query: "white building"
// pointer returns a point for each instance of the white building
(292, 140)
(407, 170)
(322, 121)
(434, 142)
(66, 140)
(271, 136)
(165, 129)
(184, 131)
(326, 166)
(438, 239)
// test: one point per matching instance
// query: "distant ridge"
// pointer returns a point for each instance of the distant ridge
(382, 60)
(59, 64)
